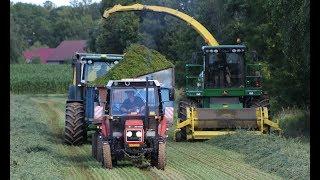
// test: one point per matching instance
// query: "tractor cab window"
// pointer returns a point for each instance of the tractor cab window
(94, 70)
(133, 100)
(223, 69)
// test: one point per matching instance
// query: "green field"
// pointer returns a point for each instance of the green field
(40, 78)
(37, 151)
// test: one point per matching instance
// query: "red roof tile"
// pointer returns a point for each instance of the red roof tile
(42, 53)
(66, 50)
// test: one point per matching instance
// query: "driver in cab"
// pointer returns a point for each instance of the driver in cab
(132, 103)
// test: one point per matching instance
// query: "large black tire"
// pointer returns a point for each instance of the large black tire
(181, 135)
(107, 158)
(162, 156)
(158, 156)
(262, 101)
(94, 144)
(99, 150)
(75, 127)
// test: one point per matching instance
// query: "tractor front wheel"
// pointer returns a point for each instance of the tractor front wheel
(75, 128)
(158, 156)
(107, 159)
(162, 156)
(99, 150)
(94, 144)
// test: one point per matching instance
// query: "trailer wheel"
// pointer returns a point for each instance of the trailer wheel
(162, 156)
(75, 128)
(107, 159)
(94, 144)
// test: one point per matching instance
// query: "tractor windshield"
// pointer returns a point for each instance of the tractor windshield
(224, 69)
(133, 100)
(94, 70)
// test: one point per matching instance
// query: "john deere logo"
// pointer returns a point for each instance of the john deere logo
(225, 92)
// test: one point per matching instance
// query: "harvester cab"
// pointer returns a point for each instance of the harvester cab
(134, 125)
(222, 94)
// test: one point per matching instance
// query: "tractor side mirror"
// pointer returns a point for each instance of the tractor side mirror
(167, 94)
(171, 94)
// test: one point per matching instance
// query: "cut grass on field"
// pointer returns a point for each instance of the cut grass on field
(37, 151)
(288, 158)
(31, 149)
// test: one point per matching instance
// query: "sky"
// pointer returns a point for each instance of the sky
(40, 2)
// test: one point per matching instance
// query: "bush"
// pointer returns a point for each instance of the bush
(36, 60)
(295, 122)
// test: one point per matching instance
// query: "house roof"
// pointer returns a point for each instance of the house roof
(66, 50)
(42, 53)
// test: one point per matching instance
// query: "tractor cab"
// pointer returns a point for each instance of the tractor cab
(134, 125)
(88, 67)
(128, 98)
(135, 108)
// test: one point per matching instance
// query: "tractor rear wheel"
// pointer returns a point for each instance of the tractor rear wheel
(94, 144)
(75, 128)
(107, 159)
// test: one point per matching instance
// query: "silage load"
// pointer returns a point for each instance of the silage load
(138, 61)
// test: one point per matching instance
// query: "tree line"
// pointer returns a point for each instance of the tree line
(276, 32)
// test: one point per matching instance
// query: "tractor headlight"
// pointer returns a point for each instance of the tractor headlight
(129, 133)
(139, 134)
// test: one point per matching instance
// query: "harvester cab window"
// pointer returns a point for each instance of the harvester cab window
(94, 70)
(216, 70)
(224, 69)
(122, 105)
(236, 67)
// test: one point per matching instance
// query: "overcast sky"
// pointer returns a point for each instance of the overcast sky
(40, 2)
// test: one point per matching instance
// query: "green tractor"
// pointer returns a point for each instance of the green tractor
(223, 94)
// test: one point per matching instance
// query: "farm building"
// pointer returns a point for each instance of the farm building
(41, 53)
(59, 55)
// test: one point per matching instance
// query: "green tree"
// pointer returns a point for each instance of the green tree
(49, 5)
(17, 44)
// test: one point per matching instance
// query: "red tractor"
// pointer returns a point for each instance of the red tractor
(132, 124)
